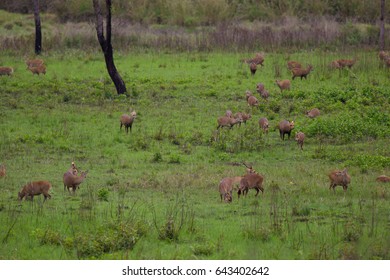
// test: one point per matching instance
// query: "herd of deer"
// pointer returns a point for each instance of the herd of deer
(71, 180)
(36, 66)
(253, 179)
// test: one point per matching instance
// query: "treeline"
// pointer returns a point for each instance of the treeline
(190, 13)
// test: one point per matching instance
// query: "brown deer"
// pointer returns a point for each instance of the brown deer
(253, 68)
(264, 124)
(6, 70)
(260, 87)
(285, 127)
(243, 117)
(34, 62)
(334, 64)
(339, 178)
(283, 84)
(383, 179)
(262, 91)
(41, 69)
(251, 100)
(313, 113)
(300, 138)
(127, 121)
(72, 181)
(225, 121)
(346, 63)
(35, 188)
(301, 72)
(226, 188)
(251, 181)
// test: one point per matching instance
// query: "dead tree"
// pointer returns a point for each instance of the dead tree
(38, 33)
(105, 44)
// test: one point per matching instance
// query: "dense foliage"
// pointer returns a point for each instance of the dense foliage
(201, 12)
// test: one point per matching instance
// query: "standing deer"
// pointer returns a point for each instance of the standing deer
(339, 178)
(73, 181)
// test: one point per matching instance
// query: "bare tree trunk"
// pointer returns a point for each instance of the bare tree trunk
(382, 27)
(38, 33)
(105, 44)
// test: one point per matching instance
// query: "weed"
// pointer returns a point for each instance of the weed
(102, 194)
(157, 157)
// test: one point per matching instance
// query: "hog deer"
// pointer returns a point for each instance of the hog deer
(251, 181)
(264, 124)
(383, 179)
(251, 100)
(226, 188)
(313, 113)
(339, 178)
(229, 122)
(335, 64)
(300, 138)
(41, 69)
(127, 121)
(285, 127)
(262, 91)
(6, 71)
(283, 84)
(346, 63)
(35, 188)
(243, 117)
(253, 68)
(72, 181)
(34, 62)
(301, 72)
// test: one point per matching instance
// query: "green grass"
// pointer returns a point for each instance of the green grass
(153, 194)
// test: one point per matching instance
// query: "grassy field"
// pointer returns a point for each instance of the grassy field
(153, 194)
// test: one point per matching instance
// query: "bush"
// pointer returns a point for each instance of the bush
(103, 194)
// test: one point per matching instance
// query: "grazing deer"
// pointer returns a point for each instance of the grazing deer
(35, 188)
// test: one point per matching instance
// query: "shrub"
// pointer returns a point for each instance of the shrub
(102, 194)
(47, 236)
(206, 249)
(157, 157)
